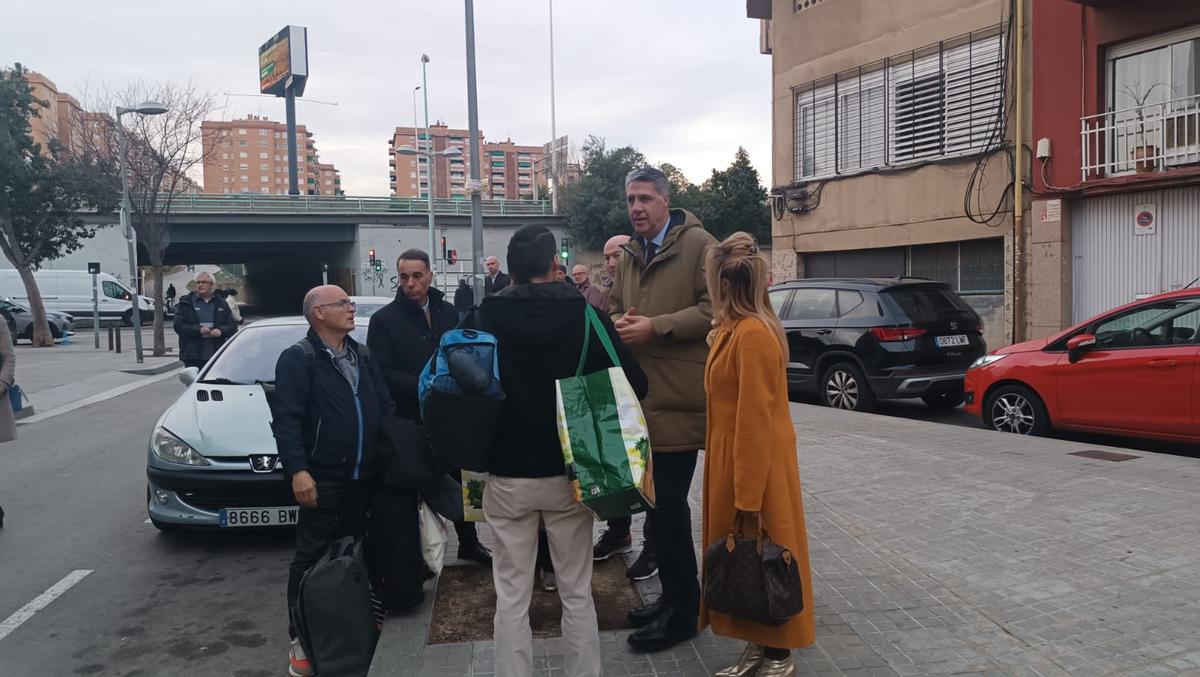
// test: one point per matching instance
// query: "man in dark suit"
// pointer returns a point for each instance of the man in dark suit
(495, 280)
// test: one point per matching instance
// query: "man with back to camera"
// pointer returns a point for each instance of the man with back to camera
(203, 322)
(329, 402)
(496, 280)
(403, 335)
(660, 306)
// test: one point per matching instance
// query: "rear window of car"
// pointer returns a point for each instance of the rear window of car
(251, 355)
(925, 304)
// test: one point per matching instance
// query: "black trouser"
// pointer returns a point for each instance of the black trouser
(620, 527)
(672, 523)
(467, 535)
(341, 511)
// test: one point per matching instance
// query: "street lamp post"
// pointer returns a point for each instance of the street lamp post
(553, 183)
(135, 313)
(429, 155)
(429, 168)
(473, 126)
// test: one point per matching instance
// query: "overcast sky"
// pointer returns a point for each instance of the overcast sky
(681, 80)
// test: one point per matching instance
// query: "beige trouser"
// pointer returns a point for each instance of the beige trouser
(512, 506)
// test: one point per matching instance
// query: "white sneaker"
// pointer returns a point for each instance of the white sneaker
(298, 663)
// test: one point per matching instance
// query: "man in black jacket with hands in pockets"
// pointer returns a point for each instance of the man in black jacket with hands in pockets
(329, 402)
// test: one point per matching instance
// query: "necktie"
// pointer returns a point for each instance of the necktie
(651, 250)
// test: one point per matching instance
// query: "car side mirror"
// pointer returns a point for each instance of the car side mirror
(188, 376)
(1078, 345)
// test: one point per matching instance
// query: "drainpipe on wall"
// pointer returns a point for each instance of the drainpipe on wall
(1018, 181)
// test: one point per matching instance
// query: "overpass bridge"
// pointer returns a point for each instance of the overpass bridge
(288, 242)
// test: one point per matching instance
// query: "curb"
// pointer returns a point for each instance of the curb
(156, 370)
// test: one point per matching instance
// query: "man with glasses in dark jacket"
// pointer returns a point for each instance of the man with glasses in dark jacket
(203, 322)
(329, 402)
(403, 335)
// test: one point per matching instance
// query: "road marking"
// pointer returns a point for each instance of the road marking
(99, 397)
(41, 601)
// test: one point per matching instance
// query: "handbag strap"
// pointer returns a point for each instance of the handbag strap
(591, 323)
(736, 530)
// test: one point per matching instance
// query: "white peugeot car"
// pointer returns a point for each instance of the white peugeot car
(212, 459)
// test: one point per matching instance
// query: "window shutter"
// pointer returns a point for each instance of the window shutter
(974, 93)
(917, 115)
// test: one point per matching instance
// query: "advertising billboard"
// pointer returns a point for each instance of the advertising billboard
(283, 62)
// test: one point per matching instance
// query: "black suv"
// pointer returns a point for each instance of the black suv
(857, 340)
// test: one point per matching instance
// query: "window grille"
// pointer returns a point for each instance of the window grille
(942, 100)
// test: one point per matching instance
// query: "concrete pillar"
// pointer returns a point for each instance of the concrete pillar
(1049, 274)
(784, 263)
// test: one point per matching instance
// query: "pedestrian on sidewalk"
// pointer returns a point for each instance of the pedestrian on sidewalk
(750, 464)
(660, 306)
(403, 335)
(590, 292)
(329, 401)
(203, 322)
(464, 297)
(8, 376)
(539, 326)
(496, 280)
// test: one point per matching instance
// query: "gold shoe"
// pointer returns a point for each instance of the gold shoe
(781, 668)
(747, 665)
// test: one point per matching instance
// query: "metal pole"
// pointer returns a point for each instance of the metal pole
(416, 143)
(429, 155)
(135, 313)
(473, 127)
(553, 126)
(96, 310)
(293, 179)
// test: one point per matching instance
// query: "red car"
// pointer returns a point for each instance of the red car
(1133, 371)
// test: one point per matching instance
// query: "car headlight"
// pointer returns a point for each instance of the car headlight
(986, 360)
(174, 450)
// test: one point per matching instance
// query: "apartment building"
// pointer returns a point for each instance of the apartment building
(250, 155)
(64, 118)
(1116, 128)
(509, 169)
(889, 141)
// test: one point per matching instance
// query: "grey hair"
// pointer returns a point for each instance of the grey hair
(204, 273)
(310, 302)
(650, 175)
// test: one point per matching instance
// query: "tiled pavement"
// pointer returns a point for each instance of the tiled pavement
(947, 550)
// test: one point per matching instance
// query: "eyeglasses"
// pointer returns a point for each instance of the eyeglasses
(344, 303)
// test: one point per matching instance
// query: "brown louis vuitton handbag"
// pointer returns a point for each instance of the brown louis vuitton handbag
(754, 579)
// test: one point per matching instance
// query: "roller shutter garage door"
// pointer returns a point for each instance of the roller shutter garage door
(1112, 265)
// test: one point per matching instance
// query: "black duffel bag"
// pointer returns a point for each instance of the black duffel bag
(405, 455)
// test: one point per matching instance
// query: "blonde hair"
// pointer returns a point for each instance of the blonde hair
(737, 277)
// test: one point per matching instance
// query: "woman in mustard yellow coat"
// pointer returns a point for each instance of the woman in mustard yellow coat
(750, 455)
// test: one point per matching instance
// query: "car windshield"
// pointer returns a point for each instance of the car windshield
(926, 304)
(250, 357)
(367, 308)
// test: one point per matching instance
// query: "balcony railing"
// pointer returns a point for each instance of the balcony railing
(250, 203)
(1148, 138)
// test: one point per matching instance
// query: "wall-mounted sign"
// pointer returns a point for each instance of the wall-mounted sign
(1145, 219)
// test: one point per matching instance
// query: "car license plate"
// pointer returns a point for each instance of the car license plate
(258, 517)
(952, 341)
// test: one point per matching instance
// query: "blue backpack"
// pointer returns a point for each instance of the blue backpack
(461, 398)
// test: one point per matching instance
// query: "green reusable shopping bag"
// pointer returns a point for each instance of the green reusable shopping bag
(605, 441)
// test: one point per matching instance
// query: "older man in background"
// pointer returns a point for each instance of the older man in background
(591, 293)
(203, 322)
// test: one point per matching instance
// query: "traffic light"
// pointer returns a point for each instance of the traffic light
(565, 250)
(371, 255)
(378, 265)
(452, 256)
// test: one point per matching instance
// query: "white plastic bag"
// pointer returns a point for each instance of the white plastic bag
(433, 538)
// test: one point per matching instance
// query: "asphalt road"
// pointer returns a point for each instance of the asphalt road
(73, 488)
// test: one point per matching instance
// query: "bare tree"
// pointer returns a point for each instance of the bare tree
(162, 151)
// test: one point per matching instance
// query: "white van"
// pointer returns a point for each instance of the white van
(70, 291)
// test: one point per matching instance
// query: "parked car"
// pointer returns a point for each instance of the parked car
(855, 341)
(70, 291)
(211, 460)
(20, 321)
(1133, 371)
(366, 306)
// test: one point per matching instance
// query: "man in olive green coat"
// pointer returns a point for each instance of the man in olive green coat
(660, 306)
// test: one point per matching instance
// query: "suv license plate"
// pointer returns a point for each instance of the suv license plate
(952, 341)
(258, 517)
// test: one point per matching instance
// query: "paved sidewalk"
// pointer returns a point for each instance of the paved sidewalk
(57, 376)
(947, 550)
